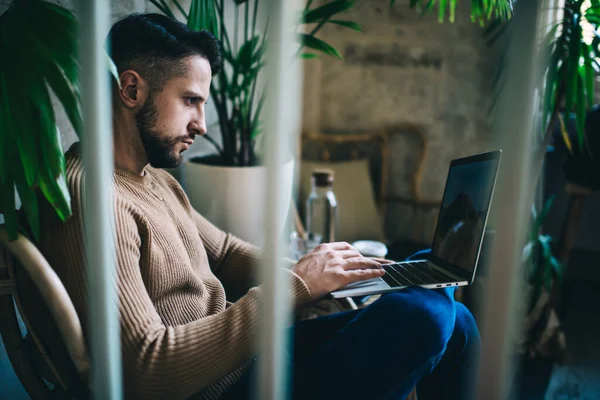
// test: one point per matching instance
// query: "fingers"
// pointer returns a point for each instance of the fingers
(382, 260)
(348, 254)
(363, 274)
(340, 246)
(360, 263)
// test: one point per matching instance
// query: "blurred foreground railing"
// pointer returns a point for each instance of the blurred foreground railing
(513, 128)
(97, 146)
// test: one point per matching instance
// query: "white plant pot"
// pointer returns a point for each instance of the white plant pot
(234, 198)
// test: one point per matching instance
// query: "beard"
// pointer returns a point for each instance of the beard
(160, 147)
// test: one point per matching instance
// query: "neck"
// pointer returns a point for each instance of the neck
(129, 151)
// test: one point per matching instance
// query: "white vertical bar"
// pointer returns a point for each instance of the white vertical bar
(514, 127)
(281, 116)
(98, 159)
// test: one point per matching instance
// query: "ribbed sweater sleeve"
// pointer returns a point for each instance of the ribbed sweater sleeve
(233, 261)
(179, 361)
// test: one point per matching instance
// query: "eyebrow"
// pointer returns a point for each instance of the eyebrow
(189, 93)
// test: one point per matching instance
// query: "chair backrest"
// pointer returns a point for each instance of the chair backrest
(48, 313)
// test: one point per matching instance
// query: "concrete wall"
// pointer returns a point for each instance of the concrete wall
(417, 77)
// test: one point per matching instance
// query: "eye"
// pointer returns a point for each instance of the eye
(190, 101)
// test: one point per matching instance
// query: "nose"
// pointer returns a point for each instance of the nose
(198, 127)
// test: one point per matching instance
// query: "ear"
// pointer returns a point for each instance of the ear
(134, 90)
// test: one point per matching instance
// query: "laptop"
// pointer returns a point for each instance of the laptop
(458, 234)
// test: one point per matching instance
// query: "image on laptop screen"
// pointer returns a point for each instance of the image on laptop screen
(463, 213)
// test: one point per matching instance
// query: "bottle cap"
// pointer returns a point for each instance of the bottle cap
(322, 177)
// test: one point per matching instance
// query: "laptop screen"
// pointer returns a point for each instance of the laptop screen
(464, 212)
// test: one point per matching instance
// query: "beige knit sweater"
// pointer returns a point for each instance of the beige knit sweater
(177, 273)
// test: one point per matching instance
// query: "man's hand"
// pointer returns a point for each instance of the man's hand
(382, 260)
(334, 265)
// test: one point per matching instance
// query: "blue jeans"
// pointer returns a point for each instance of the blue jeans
(412, 337)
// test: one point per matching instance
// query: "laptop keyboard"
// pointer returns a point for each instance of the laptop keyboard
(413, 274)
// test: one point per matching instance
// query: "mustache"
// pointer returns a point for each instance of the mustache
(183, 138)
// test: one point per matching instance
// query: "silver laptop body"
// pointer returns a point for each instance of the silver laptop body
(458, 236)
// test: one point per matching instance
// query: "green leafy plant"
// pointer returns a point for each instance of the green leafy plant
(38, 41)
(566, 85)
(481, 10)
(234, 90)
(569, 79)
(542, 269)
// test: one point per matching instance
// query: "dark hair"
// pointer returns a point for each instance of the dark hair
(155, 45)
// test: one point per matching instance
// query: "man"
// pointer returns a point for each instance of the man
(188, 300)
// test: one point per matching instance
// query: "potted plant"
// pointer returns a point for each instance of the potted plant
(566, 89)
(228, 187)
(38, 41)
(543, 341)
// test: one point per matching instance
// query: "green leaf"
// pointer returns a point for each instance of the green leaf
(326, 11)
(20, 120)
(308, 56)
(547, 207)
(317, 44)
(66, 93)
(52, 30)
(56, 191)
(588, 73)
(41, 41)
(580, 111)
(442, 10)
(452, 10)
(203, 15)
(49, 144)
(244, 58)
(348, 24)
(572, 64)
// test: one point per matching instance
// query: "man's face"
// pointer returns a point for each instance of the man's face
(170, 118)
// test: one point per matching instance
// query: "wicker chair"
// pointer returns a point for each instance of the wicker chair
(53, 350)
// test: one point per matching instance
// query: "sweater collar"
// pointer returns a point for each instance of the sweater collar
(144, 180)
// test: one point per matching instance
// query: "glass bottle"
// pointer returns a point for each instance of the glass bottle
(321, 207)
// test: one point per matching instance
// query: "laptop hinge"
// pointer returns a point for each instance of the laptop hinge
(445, 271)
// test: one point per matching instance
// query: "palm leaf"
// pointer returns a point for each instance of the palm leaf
(317, 44)
(481, 10)
(574, 45)
(245, 58)
(442, 10)
(326, 11)
(203, 15)
(347, 24)
(40, 39)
